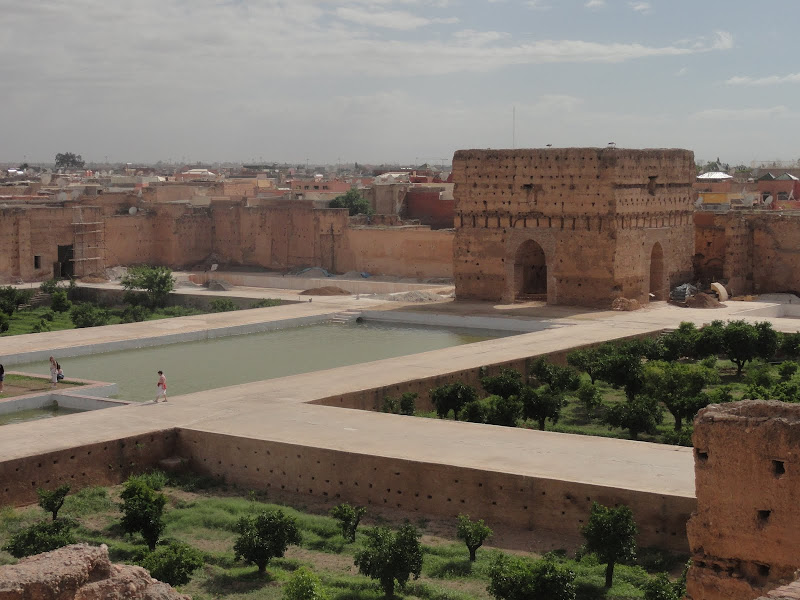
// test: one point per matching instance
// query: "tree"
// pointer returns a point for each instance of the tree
(43, 536)
(5, 322)
(173, 563)
(391, 557)
(9, 299)
(680, 343)
(709, 340)
(472, 533)
(68, 160)
(641, 414)
(353, 201)
(541, 404)
(59, 302)
(349, 518)
(304, 585)
(88, 315)
(590, 397)
(508, 383)
(678, 386)
(142, 511)
(790, 344)
(787, 370)
(611, 535)
(264, 537)
(622, 367)
(740, 342)
(517, 578)
(494, 410)
(452, 396)
(588, 360)
(157, 282)
(54, 500)
(767, 340)
(560, 379)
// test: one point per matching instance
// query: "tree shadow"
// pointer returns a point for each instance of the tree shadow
(227, 583)
(589, 591)
(452, 568)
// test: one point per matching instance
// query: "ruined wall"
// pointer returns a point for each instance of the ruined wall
(405, 252)
(596, 214)
(429, 489)
(755, 252)
(745, 534)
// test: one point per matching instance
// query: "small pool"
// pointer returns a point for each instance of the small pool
(220, 362)
(35, 414)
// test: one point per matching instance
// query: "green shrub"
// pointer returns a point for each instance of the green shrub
(349, 518)
(59, 301)
(304, 585)
(353, 201)
(88, 315)
(222, 305)
(404, 405)
(52, 501)
(787, 370)
(41, 537)
(40, 326)
(265, 536)
(135, 314)
(590, 397)
(49, 316)
(265, 303)
(173, 562)
(5, 323)
(391, 557)
(517, 578)
(49, 287)
(508, 383)
(679, 437)
(155, 480)
(661, 588)
(142, 510)
(10, 298)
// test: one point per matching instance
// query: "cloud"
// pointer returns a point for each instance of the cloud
(398, 20)
(641, 7)
(538, 5)
(770, 80)
(595, 4)
(741, 114)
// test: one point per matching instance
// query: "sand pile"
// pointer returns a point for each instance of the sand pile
(702, 300)
(625, 304)
(328, 290)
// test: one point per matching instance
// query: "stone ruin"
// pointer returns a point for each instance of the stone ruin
(80, 572)
(745, 534)
(578, 226)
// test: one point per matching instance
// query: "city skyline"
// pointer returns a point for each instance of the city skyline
(387, 80)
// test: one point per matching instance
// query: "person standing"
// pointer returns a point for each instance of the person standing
(2, 377)
(53, 372)
(161, 386)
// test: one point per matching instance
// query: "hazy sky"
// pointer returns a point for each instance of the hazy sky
(395, 80)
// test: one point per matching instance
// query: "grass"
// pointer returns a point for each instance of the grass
(19, 385)
(207, 520)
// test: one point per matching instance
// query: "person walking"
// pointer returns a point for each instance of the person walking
(2, 377)
(161, 386)
(53, 372)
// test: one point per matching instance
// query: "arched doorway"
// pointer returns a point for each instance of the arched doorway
(657, 283)
(530, 272)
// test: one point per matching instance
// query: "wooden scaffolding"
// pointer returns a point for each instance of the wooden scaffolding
(89, 245)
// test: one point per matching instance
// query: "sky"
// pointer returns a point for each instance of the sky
(395, 81)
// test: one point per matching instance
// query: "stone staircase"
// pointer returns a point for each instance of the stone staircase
(346, 317)
(37, 300)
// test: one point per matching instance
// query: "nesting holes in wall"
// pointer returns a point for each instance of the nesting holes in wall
(778, 468)
(763, 517)
(701, 455)
(763, 570)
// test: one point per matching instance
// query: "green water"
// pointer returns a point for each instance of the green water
(220, 362)
(35, 414)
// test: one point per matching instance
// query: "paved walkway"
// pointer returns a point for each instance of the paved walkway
(277, 409)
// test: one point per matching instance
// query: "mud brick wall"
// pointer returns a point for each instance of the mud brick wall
(428, 489)
(105, 463)
(597, 215)
(745, 534)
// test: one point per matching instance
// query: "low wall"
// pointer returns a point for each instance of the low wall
(114, 297)
(266, 280)
(429, 489)
(103, 463)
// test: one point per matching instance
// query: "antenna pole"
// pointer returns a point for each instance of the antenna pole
(513, 127)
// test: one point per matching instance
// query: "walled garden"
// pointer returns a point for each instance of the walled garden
(213, 541)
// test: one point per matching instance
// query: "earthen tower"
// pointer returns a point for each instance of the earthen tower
(575, 225)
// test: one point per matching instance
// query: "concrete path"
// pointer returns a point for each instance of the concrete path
(277, 409)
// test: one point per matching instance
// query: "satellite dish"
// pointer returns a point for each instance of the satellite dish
(132, 210)
(45, 179)
(61, 196)
(768, 201)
